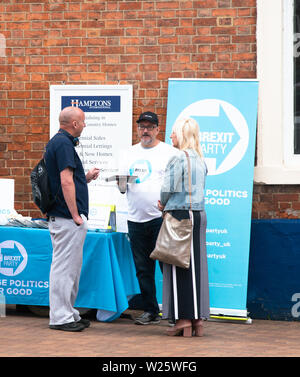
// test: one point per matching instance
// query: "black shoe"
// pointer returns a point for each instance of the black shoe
(147, 318)
(71, 326)
(84, 322)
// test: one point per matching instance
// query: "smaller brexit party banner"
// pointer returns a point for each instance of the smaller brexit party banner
(226, 111)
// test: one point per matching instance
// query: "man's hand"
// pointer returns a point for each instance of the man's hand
(92, 174)
(122, 184)
(78, 220)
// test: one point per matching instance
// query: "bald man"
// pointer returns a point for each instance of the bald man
(67, 219)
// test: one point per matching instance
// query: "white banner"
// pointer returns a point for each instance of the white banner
(108, 132)
(7, 189)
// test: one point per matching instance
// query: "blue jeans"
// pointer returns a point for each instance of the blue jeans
(142, 241)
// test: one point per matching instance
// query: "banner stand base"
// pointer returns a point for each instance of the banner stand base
(225, 318)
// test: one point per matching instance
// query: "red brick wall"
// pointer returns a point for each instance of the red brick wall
(276, 201)
(142, 43)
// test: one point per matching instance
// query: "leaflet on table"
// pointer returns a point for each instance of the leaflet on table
(102, 216)
(112, 201)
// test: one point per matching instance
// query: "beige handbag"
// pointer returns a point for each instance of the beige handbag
(174, 241)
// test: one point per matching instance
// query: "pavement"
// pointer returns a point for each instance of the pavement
(24, 334)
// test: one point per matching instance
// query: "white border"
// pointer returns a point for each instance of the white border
(288, 79)
(276, 163)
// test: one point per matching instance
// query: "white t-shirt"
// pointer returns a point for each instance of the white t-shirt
(149, 165)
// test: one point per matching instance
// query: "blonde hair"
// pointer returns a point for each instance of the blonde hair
(187, 133)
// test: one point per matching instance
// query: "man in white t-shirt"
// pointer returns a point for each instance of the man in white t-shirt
(146, 160)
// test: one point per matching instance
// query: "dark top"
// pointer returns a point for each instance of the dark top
(60, 154)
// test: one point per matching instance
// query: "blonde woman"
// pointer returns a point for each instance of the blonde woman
(185, 291)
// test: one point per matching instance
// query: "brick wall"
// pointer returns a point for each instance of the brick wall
(276, 201)
(136, 42)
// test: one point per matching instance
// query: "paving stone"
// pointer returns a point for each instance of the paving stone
(28, 335)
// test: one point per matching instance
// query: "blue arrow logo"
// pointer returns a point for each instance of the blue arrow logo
(13, 258)
(141, 168)
(217, 135)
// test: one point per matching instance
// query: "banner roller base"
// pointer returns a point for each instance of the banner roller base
(229, 315)
(225, 318)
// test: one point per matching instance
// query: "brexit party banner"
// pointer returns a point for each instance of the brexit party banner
(108, 131)
(226, 111)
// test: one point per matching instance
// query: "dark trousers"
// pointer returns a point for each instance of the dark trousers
(142, 241)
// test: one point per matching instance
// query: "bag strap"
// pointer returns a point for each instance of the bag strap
(189, 173)
(59, 187)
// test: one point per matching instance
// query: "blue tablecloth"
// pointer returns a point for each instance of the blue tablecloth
(107, 278)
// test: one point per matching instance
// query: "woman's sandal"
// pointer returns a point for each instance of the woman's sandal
(184, 329)
(197, 327)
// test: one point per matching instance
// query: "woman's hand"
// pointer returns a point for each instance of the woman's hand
(160, 206)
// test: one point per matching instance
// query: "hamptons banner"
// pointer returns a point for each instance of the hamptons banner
(108, 131)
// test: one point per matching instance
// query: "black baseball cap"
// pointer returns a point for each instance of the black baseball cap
(148, 115)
